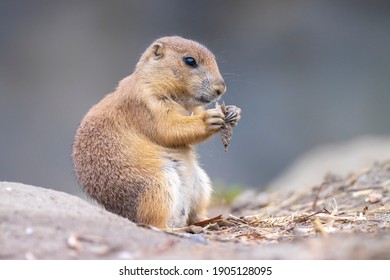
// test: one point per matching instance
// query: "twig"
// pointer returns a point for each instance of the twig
(317, 195)
(208, 221)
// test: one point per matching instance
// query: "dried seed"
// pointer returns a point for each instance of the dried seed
(226, 129)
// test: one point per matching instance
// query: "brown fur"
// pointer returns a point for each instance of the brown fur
(133, 140)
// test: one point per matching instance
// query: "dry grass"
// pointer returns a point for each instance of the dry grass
(359, 202)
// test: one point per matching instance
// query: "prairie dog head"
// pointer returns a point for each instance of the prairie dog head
(182, 70)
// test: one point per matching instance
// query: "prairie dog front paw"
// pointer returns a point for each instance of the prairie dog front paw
(214, 119)
(233, 115)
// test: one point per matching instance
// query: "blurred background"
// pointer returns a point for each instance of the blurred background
(305, 73)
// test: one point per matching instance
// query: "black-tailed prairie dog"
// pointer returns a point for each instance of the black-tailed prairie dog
(134, 150)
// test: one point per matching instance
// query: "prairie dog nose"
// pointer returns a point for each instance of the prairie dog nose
(219, 87)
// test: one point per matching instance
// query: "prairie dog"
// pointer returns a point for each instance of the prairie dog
(133, 151)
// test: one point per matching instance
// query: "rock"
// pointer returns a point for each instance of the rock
(374, 197)
(38, 223)
(339, 158)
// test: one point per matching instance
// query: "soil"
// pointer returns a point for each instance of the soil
(342, 218)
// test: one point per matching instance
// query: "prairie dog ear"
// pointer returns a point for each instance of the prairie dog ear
(158, 50)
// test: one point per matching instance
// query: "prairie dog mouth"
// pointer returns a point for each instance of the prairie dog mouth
(205, 99)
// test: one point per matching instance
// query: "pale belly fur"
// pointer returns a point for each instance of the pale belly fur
(188, 184)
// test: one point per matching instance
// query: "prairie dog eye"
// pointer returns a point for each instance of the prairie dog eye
(190, 61)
